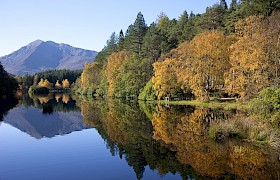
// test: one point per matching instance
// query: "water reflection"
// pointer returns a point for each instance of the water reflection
(186, 133)
(152, 139)
(5, 105)
(176, 139)
(45, 116)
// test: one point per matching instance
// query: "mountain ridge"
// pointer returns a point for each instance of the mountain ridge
(44, 55)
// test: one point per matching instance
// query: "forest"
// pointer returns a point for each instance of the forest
(8, 85)
(227, 51)
(43, 82)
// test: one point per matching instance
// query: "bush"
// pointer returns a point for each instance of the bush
(266, 106)
(148, 93)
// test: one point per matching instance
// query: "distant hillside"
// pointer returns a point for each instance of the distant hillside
(39, 55)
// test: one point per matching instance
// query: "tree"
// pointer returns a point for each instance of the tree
(57, 84)
(111, 45)
(249, 61)
(223, 4)
(65, 84)
(181, 27)
(90, 77)
(233, 5)
(113, 71)
(190, 29)
(207, 62)
(36, 79)
(265, 7)
(152, 40)
(165, 82)
(121, 41)
(272, 34)
(168, 33)
(213, 18)
(136, 34)
(8, 85)
(45, 83)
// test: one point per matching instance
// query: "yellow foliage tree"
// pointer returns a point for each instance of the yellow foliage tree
(249, 72)
(57, 84)
(65, 83)
(207, 62)
(90, 76)
(113, 70)
(165, 79)
(45, 83)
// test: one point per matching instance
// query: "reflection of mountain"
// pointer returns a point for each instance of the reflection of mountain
(6, 105)
(34, 123)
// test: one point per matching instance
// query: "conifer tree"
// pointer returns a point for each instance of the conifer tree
(121, 41)
(138, 31)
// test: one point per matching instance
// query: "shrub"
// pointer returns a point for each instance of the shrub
(148, 93)
(266, 106)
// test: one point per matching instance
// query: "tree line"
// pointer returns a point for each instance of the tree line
(50, 78)
(8, 85)
(228, 51)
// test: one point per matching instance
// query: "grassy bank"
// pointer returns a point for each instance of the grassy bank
(210, 104)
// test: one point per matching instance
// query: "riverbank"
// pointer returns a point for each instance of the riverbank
(209, 104)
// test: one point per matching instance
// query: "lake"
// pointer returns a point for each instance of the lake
(61, 137)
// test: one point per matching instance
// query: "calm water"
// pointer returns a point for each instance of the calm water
(56, 137)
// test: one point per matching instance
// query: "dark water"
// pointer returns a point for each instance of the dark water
(57, 137)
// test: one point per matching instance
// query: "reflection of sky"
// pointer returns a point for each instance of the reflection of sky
(79, 155)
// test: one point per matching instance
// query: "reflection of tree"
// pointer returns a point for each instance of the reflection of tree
(44, 99)
(57, 97)
(6, 105)
(50, 102)
(128, 133)
(187, 134)
(65, 98)
(175, 140)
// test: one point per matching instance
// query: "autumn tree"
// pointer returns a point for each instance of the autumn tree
(57, 84)
(45, 83)
(249, 61)
(165, 80)
(113, 70)
(207, 62)
(90, 76)
(65, 84)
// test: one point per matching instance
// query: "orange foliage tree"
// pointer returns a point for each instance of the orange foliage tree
(65, 83)
(249, 60)
(207, 63)
(45, 83)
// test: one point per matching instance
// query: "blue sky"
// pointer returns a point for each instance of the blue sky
(80, 23)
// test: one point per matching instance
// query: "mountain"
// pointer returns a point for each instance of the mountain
(40, 55)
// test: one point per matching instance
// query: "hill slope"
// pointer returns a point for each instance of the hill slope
(39, 55)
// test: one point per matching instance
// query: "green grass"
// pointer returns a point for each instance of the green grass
(210, 104)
